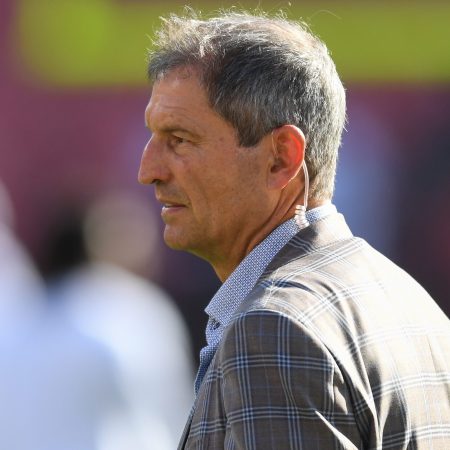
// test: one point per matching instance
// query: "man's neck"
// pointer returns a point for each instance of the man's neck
(225, 266)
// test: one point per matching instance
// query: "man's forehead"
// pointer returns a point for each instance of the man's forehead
(167, 114)
(178, 96)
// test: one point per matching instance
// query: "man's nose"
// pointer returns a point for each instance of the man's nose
(152, 168)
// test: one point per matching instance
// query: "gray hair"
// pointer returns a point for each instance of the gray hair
(261, 73)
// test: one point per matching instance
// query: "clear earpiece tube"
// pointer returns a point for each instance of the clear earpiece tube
(300, 210)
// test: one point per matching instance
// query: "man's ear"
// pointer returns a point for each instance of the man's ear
(288, 144)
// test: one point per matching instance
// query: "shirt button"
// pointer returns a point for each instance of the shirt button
(215, 325)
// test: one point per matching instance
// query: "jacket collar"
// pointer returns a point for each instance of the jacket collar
(320, 234)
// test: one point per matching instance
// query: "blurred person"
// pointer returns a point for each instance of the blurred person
(56, 386)
(314, 340)
(21, 288)
(58, 389)
(107, 300)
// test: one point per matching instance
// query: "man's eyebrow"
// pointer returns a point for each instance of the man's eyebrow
(174, 129)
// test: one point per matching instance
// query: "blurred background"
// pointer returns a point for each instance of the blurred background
(73, 91)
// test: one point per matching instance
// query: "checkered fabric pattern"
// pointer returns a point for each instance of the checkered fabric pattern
(334, 348)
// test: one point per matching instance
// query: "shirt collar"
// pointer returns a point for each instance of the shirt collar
(243, 279)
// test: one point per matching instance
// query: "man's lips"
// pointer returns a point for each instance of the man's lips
(171, 207)
(171, 203)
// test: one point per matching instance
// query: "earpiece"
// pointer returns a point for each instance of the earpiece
(300, 210)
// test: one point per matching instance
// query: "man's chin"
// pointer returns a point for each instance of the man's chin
(181, 242)
(174, 239)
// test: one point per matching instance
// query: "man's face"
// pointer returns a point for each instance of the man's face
(213, 192)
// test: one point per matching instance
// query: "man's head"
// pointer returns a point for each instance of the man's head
(260, 73)
(238, 103)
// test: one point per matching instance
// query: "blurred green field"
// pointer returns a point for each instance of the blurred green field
(82, 43)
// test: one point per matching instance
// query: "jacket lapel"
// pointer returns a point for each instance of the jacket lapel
(187, 429)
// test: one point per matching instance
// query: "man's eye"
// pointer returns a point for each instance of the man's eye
(177, 140)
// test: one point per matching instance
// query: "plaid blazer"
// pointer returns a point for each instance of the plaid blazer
(335, 348)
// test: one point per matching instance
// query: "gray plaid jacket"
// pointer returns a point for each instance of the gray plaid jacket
(335, 348)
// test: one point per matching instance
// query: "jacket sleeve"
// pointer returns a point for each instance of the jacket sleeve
(282, 389)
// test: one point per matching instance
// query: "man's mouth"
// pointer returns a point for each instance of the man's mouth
(169, 205)
(170, 208)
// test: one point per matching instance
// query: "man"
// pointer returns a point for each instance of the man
(314, 340)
